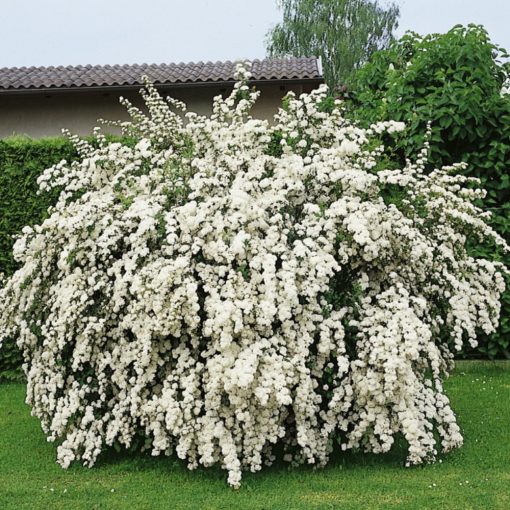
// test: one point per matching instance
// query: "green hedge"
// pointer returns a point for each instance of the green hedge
(454, 81)
(21, 162)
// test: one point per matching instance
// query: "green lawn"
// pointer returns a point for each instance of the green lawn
(476, 476)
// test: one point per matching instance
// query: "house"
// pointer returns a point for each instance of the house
(40, 101)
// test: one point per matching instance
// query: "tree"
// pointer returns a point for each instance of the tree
(344, 33)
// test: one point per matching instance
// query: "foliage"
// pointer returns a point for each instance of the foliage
(207, 293)
(22, 161)
(455, 81)
(474, 477)
(344, 33)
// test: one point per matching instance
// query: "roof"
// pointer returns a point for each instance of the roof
(83, 77)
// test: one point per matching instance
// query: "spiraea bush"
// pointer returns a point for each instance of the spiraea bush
(230, 288)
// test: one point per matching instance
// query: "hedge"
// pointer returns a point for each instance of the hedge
(21, 162)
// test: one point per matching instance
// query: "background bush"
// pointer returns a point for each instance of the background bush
(22, 160)
(454, 80)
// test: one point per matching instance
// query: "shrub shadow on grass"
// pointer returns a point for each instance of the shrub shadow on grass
(134, 461)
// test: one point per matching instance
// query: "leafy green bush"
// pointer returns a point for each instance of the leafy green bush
(22, 160)
(457, 82)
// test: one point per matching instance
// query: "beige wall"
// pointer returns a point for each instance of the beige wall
(41, 114)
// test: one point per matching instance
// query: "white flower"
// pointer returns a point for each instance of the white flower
(217, 293)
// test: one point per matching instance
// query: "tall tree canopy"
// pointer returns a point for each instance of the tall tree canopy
(344, 33)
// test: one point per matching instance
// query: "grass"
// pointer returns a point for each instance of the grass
(477, 476)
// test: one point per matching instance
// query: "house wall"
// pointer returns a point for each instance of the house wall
(45, 114)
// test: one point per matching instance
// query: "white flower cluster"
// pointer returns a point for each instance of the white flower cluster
(505, 89)
(228, 284)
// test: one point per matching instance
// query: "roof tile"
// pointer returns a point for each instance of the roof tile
(34, 78)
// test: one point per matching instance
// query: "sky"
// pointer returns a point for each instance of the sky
(72, 32)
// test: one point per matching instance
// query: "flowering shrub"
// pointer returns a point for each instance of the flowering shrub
(228, 284)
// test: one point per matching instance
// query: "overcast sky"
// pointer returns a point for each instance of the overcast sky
(63, 32)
